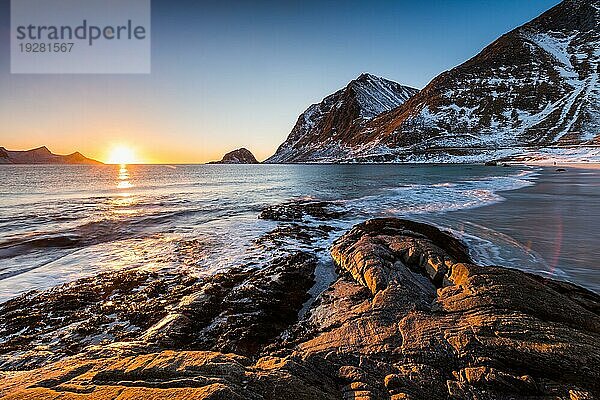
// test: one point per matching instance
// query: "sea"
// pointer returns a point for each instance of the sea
(61, 223)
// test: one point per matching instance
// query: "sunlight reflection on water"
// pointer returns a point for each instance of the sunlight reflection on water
(204, 218)
(123, 178)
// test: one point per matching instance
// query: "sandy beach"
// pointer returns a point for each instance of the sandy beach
(558, 218)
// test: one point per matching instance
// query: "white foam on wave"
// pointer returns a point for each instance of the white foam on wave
(441, 197)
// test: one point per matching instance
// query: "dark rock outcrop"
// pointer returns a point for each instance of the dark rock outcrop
(42, 155)
(297, 210)
(239, 156)
(240, 311)
(410, 316)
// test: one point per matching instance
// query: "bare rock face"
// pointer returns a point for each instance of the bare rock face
(410, 316)
(173, 375)
(239, 156)
(429, 324)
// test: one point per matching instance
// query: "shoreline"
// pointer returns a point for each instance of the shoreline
(547, 164)
(409, 315)
(555, 219)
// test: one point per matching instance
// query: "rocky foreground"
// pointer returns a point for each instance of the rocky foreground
(410, 316)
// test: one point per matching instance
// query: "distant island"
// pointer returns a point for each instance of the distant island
(42, 155)
(239, 156)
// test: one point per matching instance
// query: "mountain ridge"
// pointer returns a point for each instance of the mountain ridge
(42, 155)
(535, 86)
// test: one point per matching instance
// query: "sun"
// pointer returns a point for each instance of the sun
(122, 155)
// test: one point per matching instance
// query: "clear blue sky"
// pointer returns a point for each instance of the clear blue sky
(227, 74)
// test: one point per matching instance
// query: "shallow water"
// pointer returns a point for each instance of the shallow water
(59, 223)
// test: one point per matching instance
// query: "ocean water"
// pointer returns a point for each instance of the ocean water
(60, 223)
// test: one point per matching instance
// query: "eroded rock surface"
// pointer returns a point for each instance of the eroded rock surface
(240, 311)
(434, 325)
(410, 316)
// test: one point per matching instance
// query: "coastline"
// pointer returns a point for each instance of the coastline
(558, 164)
(568, 208)
(409, 316)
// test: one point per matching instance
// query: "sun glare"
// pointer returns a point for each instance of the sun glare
(122, 155)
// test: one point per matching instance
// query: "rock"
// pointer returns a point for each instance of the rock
(297, 210)
(239, 311)
(40, 327)
(173, 375)
(410, 316)
(283, 235)
(460, 330)
(239, 156)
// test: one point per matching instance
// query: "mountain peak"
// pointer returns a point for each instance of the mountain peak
(329, 126)
(41, 149)
(569, 15)
(375, 95)
(365, 76)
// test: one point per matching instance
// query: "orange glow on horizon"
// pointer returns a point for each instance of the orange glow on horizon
(122, 154)
(133, 150)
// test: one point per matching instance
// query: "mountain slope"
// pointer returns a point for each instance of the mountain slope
(42, 155)
(328, 129)
(535, 86)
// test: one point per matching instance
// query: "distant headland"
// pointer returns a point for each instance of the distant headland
(42, 155)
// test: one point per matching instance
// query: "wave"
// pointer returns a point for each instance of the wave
(441, 197)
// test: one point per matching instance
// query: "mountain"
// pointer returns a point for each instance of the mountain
(42, 155)
(327, 129)
(536, 86)
(239, 156)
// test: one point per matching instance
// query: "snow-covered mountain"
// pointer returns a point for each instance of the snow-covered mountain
(327, 130)
(535, 86)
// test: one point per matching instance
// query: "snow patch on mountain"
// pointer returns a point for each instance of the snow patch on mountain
(327, 130)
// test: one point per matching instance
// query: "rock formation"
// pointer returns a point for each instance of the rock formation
(239, 156)
(410, 316)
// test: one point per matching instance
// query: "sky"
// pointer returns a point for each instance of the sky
(229, 74)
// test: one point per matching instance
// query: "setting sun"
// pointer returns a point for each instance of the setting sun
(122, 155)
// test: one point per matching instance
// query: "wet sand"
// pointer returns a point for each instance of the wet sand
(559, 218)
(579, 165)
